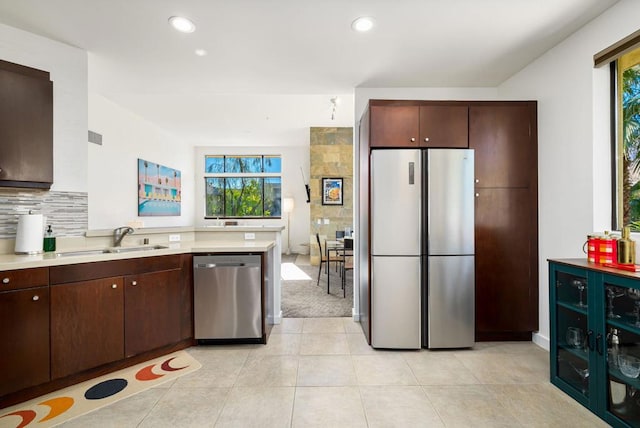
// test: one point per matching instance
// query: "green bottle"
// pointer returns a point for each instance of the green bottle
(49, 243)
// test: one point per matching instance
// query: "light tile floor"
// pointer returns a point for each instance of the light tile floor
(321, 373)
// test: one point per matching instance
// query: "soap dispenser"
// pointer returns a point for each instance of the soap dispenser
(49, 243)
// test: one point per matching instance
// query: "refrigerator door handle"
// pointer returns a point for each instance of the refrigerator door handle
(412, 176)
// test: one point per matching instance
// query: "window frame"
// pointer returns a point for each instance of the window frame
(242, 175)
(617, 140)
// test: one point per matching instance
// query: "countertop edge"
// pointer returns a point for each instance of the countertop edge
(14, 262)
(585, 264)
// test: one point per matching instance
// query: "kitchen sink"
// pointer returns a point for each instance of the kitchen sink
(133, 249)
(82, 253)
(110, 250)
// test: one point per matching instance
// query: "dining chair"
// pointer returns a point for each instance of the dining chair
(326, 257)
(347, 263)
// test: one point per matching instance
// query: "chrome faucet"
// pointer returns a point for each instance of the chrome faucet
(120, 233)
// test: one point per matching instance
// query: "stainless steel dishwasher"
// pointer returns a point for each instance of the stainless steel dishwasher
(227, 297)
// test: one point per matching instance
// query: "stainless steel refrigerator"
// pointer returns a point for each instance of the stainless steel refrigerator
(422, 248)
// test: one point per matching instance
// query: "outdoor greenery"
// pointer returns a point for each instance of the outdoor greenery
(247, 189)
(631, 141)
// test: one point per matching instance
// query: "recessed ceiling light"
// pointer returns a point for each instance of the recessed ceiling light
(182, 24)
(200, 52)
(362, 24)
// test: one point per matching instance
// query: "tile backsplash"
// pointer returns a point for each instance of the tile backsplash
(66, 212)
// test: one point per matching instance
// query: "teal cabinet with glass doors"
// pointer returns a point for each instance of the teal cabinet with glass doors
(595, 338)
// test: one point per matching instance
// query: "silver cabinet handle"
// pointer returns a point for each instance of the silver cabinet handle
(413, 140)
(35, 298)
(114, 286)
(426, 139)
(477, 180)
(5, 280)
(477, 194)
(213, 265)
(134, 283)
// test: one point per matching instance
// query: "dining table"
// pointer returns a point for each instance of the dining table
(336, 246)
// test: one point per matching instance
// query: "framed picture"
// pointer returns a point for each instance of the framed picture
(159, 190)
(331, 191)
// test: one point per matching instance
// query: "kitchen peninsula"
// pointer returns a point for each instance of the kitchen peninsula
(128, 304)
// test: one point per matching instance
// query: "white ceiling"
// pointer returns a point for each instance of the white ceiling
(272, 65)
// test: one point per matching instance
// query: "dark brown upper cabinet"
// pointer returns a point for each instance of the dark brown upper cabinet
(444, 126)
(418, 124)
(26, 127)
(394, 126)
(505, 148)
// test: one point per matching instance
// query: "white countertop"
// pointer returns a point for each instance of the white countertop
(14, 261)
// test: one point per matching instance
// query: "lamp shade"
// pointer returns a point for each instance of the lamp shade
(287, 205)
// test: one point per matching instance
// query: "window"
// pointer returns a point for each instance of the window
(626, 70)
(242, 186)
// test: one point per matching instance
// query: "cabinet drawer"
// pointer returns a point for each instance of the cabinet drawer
(23, 278)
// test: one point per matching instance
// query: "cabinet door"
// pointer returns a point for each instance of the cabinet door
(501, 135)
(152, 311)
(26, 126)
(87, 325)
(394, 126)
(620, 383)
(444, 126)
(506, 296)
(573, 333)
(24, 334)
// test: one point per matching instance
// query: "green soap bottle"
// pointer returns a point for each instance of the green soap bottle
(49, 243)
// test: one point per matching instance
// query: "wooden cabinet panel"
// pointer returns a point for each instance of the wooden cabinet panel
(26, 127)
(444, 126)
(186, 298)
(87, 271)
(152, 311)
(23, 278)
(505, 259)
(87, 325)
(501, 135)
(394, 126)
(24, 335)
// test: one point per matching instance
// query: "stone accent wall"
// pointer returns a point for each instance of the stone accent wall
(331, 155)
(66, 212)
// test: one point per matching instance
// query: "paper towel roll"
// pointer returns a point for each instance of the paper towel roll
(29, 234)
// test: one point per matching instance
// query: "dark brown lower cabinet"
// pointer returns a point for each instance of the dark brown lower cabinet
(506, 260)
(152, 310)
(24, 337)
(87, 325)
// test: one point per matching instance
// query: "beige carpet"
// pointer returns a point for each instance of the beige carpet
(68, 403)
(302, 298)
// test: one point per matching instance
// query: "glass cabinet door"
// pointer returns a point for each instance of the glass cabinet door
(574, 337)
(622, 327)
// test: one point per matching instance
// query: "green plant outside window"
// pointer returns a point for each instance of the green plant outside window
(628, 140)
(243, 186)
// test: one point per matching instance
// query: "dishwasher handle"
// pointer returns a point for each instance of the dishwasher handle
(214, 265)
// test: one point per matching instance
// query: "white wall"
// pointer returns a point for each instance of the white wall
(68, 70)
(293, 158)
(113, 166)
(573, 139)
